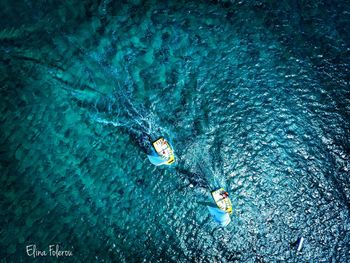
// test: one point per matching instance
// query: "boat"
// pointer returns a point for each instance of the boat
(162, 153)
(222, 200)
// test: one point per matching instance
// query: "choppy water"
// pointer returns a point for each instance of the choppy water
(257, 93)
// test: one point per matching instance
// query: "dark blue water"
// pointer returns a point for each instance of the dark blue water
(254, 97)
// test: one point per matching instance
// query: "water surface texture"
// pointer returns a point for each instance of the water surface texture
(254, 97)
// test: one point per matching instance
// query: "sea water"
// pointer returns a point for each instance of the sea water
(254, 92)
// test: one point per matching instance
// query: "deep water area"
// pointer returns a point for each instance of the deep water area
(253, 95)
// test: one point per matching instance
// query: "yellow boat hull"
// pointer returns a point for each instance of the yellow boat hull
(223, 203)
(164, 150)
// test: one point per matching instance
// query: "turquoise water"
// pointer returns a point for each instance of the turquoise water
(254, 97)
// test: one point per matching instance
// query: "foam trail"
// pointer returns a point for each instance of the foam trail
(114, 123)
(120, 111)
(210, 176)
